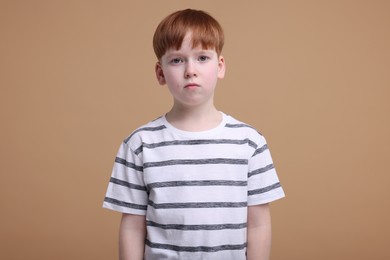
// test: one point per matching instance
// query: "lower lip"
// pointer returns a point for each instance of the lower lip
(192, 86)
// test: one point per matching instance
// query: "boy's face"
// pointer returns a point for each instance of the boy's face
(191, 74)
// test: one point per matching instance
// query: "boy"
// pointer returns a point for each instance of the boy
(194, 183)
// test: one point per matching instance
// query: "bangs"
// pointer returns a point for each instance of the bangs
(205, 32)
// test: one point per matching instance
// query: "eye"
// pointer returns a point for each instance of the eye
(176, 61)
(203, 58)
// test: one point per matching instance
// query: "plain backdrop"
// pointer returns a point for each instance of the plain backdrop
(77, 77)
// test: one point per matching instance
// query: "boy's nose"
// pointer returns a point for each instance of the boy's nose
(190, 75)
(190, 71)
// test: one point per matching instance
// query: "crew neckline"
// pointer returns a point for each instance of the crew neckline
(207, 132)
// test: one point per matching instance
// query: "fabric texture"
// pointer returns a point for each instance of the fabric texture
(193, 187)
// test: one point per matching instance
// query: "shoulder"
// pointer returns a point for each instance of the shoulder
(246, 131)
(151, 128)
(233, 123)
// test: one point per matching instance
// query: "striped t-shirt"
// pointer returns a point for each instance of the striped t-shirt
(193, 187)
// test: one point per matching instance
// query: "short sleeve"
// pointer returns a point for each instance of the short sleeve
(126, 190)
(263, 183)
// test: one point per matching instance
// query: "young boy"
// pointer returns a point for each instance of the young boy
(194, 183)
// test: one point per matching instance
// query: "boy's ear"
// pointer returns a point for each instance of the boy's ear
(160, 74)
(221, 67)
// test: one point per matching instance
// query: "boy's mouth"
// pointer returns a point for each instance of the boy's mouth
(191, 85)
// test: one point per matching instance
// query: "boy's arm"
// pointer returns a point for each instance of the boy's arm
(132, 234)
(259, 232)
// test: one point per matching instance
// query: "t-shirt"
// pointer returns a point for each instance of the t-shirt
(193, 187)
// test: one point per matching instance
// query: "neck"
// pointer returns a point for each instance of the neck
(194, 118)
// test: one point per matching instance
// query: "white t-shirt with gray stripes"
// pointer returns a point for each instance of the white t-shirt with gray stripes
(193, 187)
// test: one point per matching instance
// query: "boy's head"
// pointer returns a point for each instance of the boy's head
(205, 31)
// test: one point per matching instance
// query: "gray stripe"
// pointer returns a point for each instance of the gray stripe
(195, 248)
(139, 150)
(260, 150)
(127, 184)
(241, 125)
(264, 190)
(125, 204)
(157, 128)
(196, 227)
(195, 142)
(197, 162)
(195, 205)
(238, 125)
(128, 164)
(261, 170)
(196, 183)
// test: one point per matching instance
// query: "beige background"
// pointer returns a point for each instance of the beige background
(77, 77)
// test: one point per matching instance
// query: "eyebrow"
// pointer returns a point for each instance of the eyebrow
(178, 52)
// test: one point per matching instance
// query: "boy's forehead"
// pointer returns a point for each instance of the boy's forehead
(188, 42)
(193, 50)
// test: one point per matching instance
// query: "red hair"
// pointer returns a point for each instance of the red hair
(206, 31)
